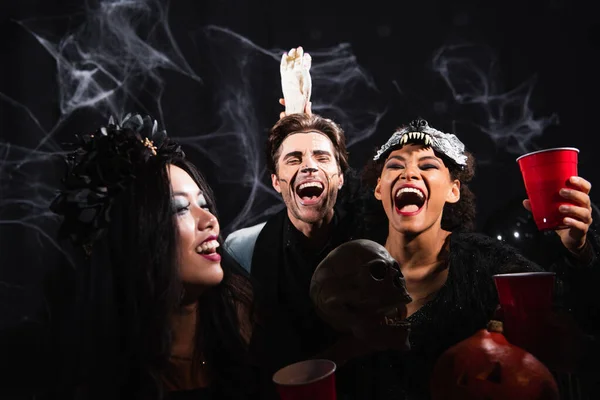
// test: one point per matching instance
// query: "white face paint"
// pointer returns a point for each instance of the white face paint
(308, 176)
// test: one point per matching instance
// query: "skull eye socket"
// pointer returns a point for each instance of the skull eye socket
(378, 270)
(398, 281)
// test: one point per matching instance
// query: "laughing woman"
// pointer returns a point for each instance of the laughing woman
(420, 177)
(159, 310)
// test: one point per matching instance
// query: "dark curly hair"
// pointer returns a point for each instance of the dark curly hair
(116, 203)
(455, 216)
(296, 123)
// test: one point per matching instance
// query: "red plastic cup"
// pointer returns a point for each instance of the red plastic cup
(526, 301)
(544, 173)
(307, 380)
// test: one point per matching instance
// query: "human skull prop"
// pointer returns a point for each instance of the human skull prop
(358, 288)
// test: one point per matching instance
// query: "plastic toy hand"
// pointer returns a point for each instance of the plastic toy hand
(296, 82)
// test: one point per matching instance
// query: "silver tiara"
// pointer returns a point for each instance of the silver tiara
(419, 131)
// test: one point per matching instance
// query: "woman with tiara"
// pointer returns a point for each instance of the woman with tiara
(159, 310)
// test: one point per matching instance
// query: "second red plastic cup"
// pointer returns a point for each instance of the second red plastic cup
(307, 380)
(526, 301)
(544, 173)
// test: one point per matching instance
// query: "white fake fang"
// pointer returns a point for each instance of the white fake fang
(416, 136)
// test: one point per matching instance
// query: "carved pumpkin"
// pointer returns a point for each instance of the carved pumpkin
(487, 367)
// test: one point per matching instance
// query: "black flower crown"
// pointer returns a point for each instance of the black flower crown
(102, 165)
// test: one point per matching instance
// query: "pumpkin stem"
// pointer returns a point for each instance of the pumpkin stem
(495, 326)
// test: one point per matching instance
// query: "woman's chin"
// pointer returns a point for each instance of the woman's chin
(408, 226)
(207, 278)
(215, 278)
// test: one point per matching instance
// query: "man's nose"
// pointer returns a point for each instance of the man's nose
(309, 166)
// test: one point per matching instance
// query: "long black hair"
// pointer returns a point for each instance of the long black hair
(116, 207)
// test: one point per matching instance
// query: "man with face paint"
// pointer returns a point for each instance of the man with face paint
(306, 155)
(307, 159)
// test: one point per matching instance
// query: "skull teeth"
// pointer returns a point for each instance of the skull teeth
(394, 321)
(391, 312)
(393, 317)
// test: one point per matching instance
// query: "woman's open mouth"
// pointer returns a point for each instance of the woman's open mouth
(409, 201)
(208, 250)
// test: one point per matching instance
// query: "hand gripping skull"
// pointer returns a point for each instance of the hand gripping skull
(359, 289)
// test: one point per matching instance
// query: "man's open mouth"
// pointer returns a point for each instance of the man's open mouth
(310, 192)
(409, 200)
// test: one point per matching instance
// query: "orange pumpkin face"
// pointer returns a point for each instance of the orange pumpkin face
(487, 367)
